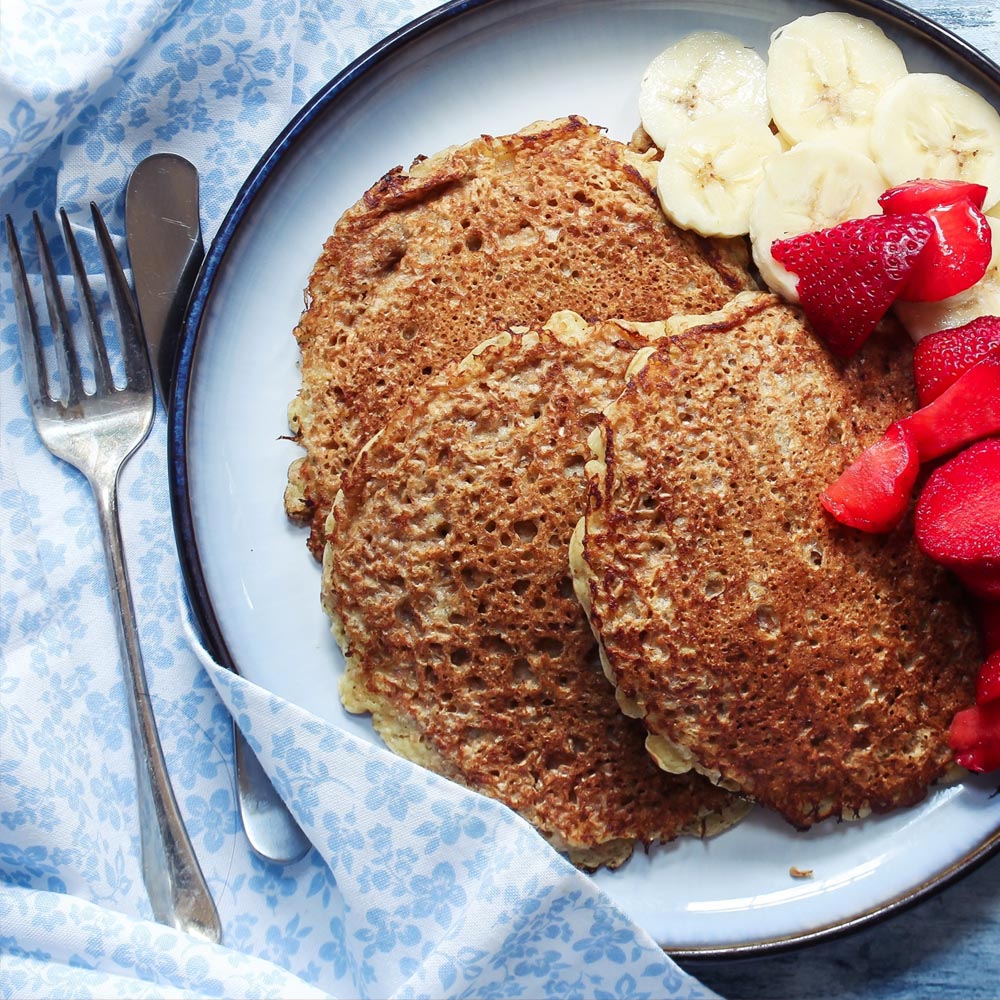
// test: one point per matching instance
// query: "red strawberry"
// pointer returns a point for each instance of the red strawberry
(943, 356)
(988, 616)
(921, 195)
(974, 737)
(957, 520)
(969, 409)
(956, 256)
(981, 580)
(988, 681)
(850, 274)
(873, 493)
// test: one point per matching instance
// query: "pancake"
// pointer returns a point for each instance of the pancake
(496, 233)
(447, 584)
(808, 665)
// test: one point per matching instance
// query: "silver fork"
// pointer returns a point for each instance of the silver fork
(97, 432)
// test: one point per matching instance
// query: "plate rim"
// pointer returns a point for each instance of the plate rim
(196, 587)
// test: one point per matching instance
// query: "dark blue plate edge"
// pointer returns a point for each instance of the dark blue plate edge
(197, 593)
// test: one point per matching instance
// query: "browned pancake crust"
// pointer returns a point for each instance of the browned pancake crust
(446, 580)
(813, 666)
(498, 232)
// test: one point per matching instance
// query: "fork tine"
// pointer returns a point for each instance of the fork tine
(138, 373)
(103, 378)
(69, 363)
(36, 375)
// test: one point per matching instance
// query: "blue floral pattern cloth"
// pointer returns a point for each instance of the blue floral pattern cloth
(416, 887)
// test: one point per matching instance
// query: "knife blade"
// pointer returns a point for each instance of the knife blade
(166, 249)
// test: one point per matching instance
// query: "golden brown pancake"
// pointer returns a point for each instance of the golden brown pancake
(446, 579)
(813, 667)
(496, 233)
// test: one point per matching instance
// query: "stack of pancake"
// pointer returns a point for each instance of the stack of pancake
(498, 233)
(469, 323)
(812, 667)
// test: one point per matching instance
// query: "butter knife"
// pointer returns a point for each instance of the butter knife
(165, 248)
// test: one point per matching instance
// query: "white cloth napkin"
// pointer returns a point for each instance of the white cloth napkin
(416, 888)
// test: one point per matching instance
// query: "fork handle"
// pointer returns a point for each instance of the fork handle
(177, 889)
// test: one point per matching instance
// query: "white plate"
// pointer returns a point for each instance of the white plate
(469, 68)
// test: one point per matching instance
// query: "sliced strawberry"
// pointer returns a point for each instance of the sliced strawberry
(980, 580)
(943, 356)
(850, 274)
(988, 617)
(922, 195)
(988, 681)
(974, 737)
(957, 519)
(969, 409)
(873, 493)
(956, 256)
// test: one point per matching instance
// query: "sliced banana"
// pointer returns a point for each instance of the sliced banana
(711, 171)
(983, 299)
(814, 185)
(824, 75)
(705, 72)
(929, 125)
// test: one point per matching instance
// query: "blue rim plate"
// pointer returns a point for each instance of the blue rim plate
(465, 68)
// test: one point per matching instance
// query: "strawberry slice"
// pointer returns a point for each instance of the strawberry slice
(967, 410)
(988, 617)
(873, 493)
(956, 257)
(957, 519)
(849, 275)
(942, 357)
(922, 195)
(988, 681)
(974, 737)
(981, 580)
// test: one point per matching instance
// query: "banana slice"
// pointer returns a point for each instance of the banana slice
(705, 72)
(815, 185)
(929, 125)
(825, 73)
(921, 319)
(710, 172)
